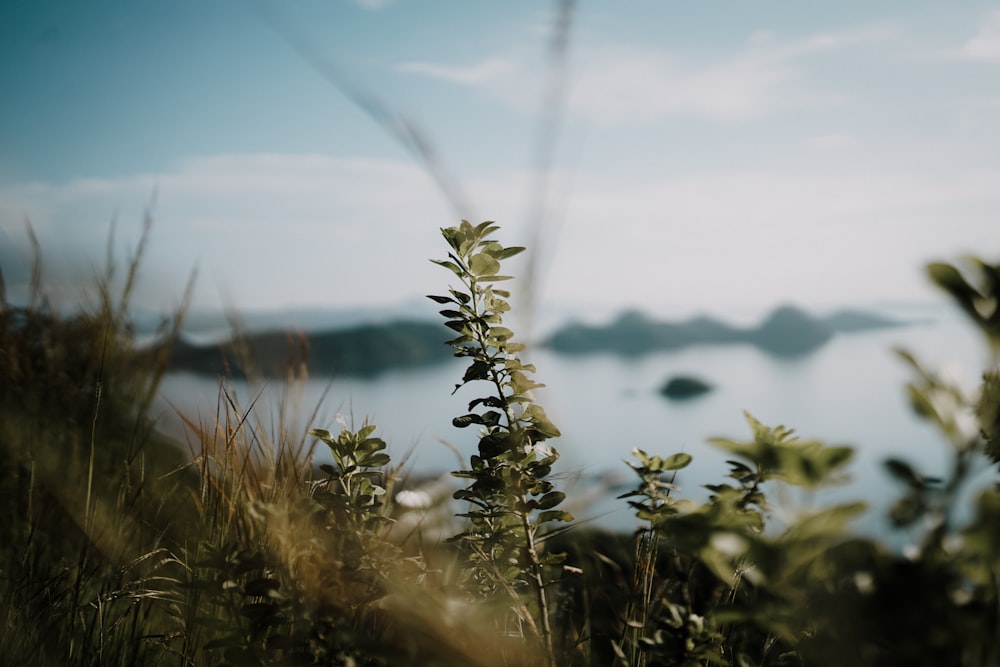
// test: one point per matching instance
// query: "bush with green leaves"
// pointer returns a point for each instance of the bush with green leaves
(716, 583)
(511, 500)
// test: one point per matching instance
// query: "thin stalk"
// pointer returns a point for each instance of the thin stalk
(539, 584)
(90, 464)
(535, 566)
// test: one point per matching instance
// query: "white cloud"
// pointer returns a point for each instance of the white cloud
(985, 44)
(617, 85)
(270, 230)
(620, 85)
(481, 73)
(732, 238)
(286, 230)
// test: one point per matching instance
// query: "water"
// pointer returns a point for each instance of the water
(851, 391)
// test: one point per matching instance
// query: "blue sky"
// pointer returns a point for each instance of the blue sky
(706, 156)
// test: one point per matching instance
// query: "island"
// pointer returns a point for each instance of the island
(359, 351)
(787, 332)
(683, 387)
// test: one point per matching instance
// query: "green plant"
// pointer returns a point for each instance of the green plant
(732, 590)
(510, 496)
(717, 583)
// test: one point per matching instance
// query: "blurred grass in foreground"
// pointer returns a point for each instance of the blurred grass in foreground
(119, 546)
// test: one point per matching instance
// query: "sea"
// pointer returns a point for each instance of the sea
(851, 391)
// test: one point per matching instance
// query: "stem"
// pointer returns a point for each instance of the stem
(539, 583)
(535, 575)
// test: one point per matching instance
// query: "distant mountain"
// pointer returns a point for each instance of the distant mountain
(786, 332)
(218, 324)
(368, 349)
(365, 351)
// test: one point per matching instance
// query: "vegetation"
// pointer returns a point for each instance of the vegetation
(117, 546)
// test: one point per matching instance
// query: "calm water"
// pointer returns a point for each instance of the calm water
(851, 391)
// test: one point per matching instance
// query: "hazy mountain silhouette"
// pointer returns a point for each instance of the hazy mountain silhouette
(786, 332)
(372, 348)
(364, 350)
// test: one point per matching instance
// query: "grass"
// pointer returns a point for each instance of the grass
(119, 546)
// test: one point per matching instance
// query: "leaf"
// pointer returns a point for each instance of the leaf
(461, 296)
(451, 266)
(376, 460)
(488, 401)
(676, 461)
(520, 383)
(484, 228)
(550, 500)
(322, 434)
(467, 420)
(554, 515)
(501, 333)
(491, 418)
(441, 299)
(536, 416)
(905, 473)
(483, 266)
(510, 252)
(479, 370)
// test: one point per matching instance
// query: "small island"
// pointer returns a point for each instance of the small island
(682, 387)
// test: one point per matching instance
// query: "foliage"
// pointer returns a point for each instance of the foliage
(117, 548)
(510, 497)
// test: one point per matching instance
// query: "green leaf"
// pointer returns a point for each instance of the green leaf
(554, 515)
(467, 420)
(375, 460)
(550, 500)
(501, 333)
(451, 266)
(510, 252)
(488, 401)
(462, 297)
(441, 299)
(535, 415)
(520, 383)
(322, 434)
(485, 228)
(483, 266)
(905, 473)
(676, 461)
(479, 370)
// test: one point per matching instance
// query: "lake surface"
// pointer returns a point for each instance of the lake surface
(851, 391)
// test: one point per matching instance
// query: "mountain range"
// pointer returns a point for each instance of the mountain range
(786, 332)
(366, 350)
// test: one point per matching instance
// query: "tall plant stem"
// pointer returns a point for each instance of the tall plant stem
(543, 626)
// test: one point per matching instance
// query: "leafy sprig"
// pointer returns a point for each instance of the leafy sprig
(509, 494)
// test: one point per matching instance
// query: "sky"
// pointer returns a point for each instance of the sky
(675, 157)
